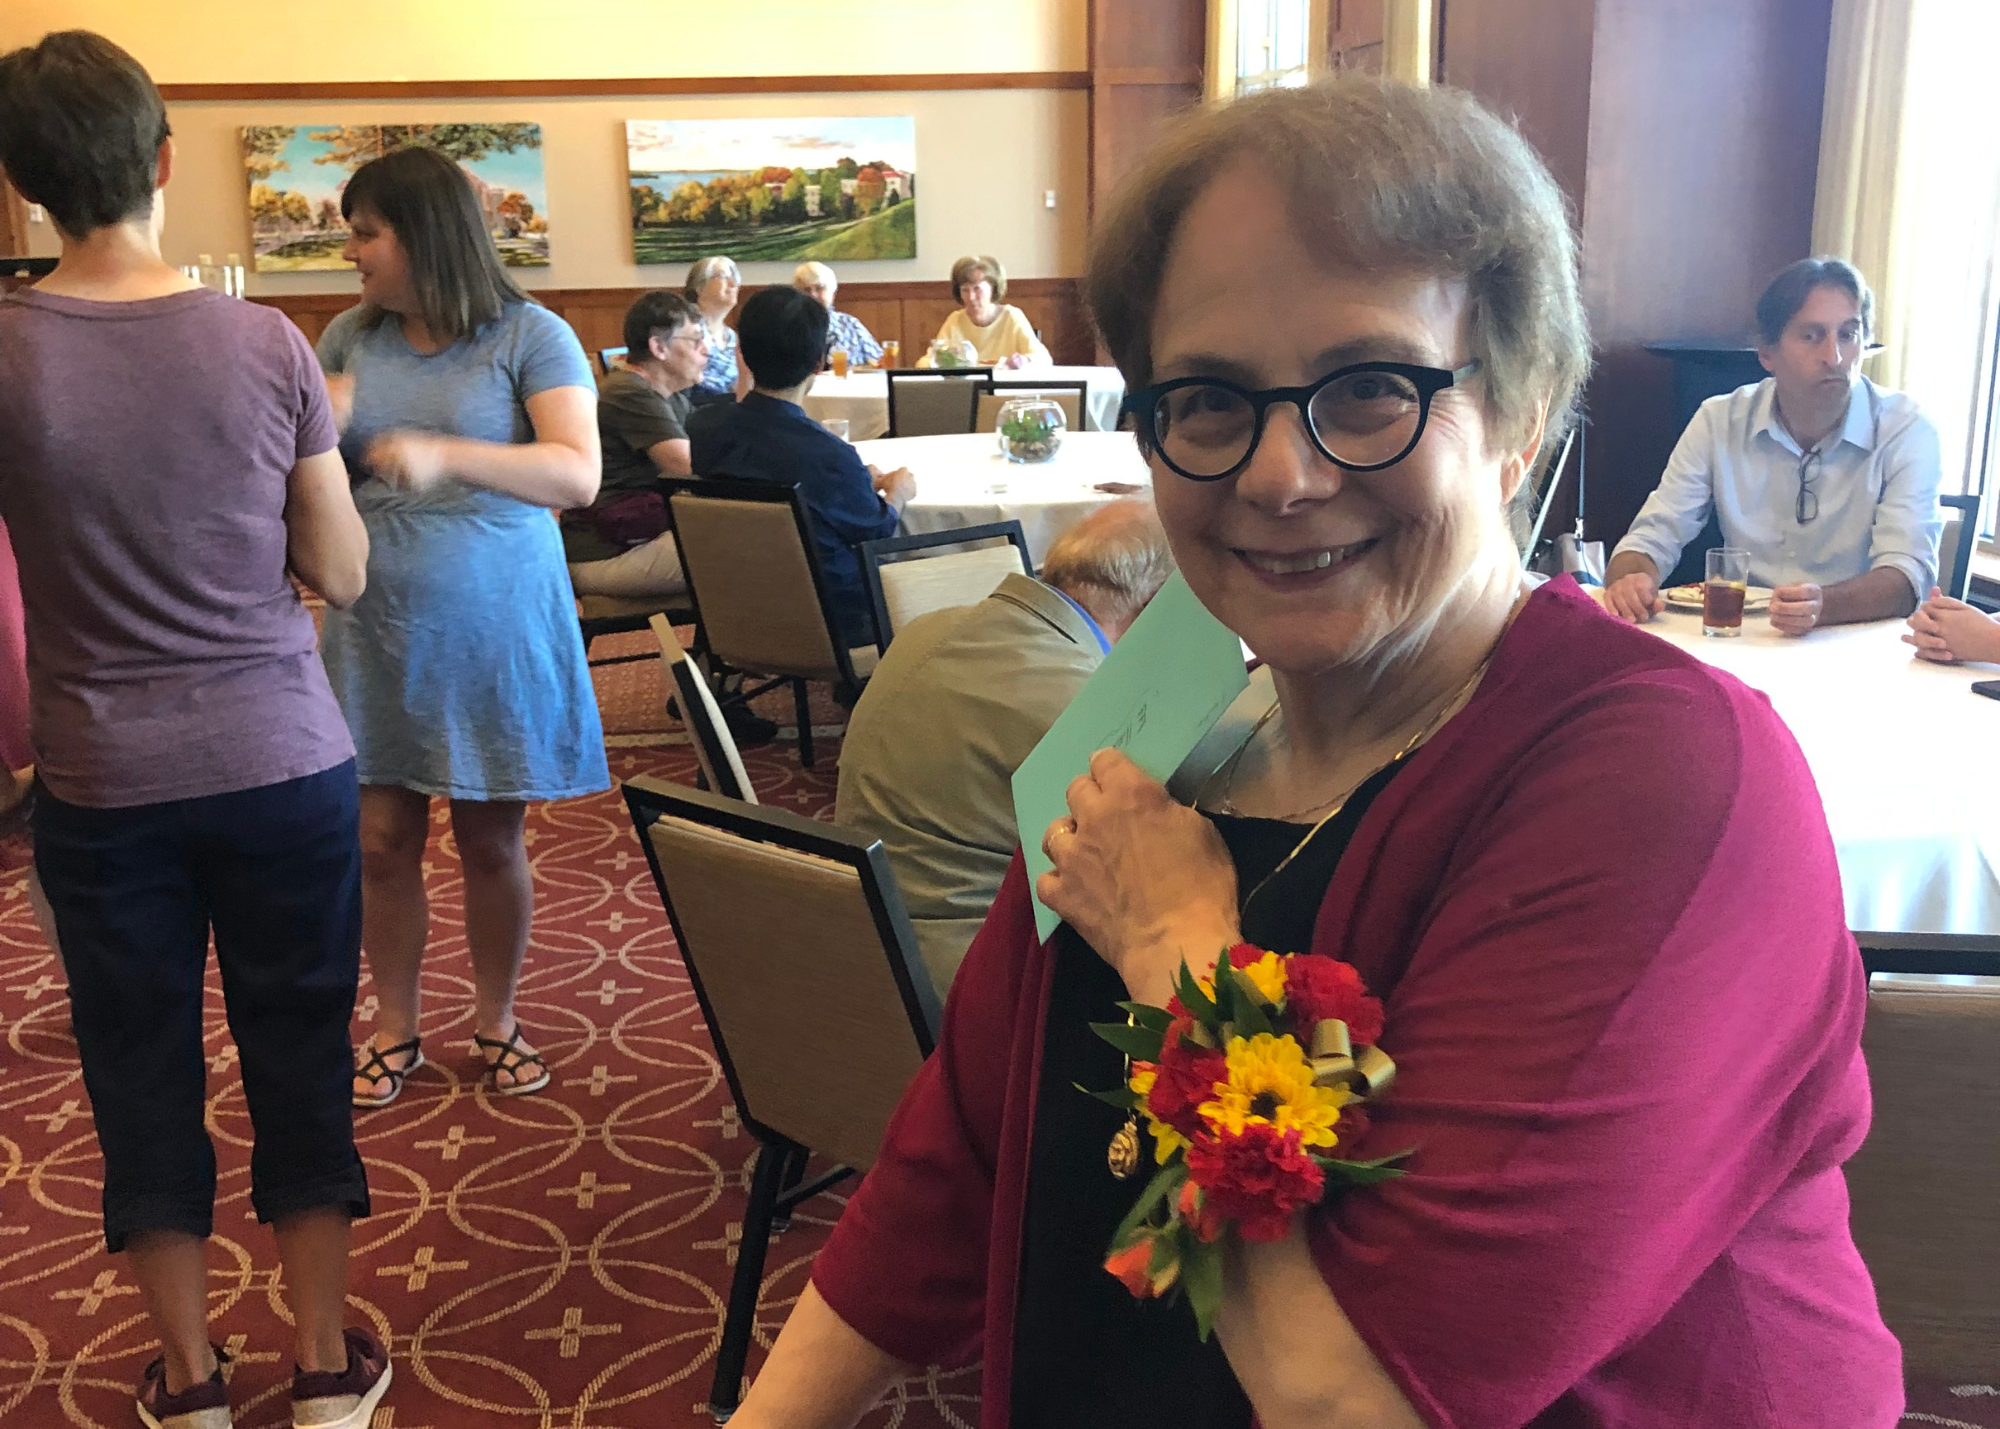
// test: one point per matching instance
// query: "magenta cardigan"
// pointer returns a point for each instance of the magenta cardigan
(1602, 908)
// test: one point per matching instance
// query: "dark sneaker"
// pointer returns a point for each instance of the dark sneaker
(199, 1406)
(324, 1400)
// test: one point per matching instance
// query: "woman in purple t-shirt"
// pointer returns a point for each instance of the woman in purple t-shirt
(195, 774)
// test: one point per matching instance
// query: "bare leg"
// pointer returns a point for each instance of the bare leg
(172, 1270)
(395, 913)
(499, 907)
(313, 1246)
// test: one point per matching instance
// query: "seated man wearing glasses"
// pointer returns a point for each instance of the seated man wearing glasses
(1829, 481)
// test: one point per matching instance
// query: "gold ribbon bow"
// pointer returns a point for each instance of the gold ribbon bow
(1336, 1063)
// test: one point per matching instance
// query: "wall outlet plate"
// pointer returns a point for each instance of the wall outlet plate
(36, 214)
(1048, 198)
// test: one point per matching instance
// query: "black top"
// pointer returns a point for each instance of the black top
(1085, 1351)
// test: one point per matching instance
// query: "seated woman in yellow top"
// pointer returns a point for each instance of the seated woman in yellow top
(1001, 335)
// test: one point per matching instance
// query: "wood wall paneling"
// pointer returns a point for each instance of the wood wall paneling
(910, 312)
(13, 221)
(1354, 35)
(1146, 64)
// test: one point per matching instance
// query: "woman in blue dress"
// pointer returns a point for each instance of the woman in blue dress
(712, 286)
(467, 413)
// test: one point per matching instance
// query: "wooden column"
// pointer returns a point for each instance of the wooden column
(1146, 60)
(1687, 137)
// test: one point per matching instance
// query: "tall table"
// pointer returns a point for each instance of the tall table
(964, 481)
(862, 398)
(1902, 752)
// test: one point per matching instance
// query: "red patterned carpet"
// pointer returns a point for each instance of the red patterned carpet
(559, 1261)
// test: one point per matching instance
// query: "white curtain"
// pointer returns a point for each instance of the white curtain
(1909, 192)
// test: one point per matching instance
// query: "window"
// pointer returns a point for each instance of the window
(1271, 43)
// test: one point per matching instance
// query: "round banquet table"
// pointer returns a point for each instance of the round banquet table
(1901, 749)
(862, 398)
(964, 481)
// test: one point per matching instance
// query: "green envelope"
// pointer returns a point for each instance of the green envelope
(1162, 687)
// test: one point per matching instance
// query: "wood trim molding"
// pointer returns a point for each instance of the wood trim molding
(1172, 74)
(600, 88)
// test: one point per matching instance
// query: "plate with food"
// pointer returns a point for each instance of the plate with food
(1687, 598)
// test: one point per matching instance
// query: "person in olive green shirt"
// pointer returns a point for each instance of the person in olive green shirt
(619, 544)
(960, 699)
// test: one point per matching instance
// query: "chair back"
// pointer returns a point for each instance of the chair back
(1955, 545)
(909, 576)
(714, 746)
(608, 355)
(753, 575)
(800, 953)
(924, 402)
(1069, 395)
(1925, 1208)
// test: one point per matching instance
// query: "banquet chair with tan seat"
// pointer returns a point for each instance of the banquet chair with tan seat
(755, 583)
(903, 583)
(1925, 1186)
(925, 402)
(1069, 395)
(800, 953)
(715, 749)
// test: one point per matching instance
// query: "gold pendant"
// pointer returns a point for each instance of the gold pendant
(1123, 1153)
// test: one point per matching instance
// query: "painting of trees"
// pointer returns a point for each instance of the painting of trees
(297, 173)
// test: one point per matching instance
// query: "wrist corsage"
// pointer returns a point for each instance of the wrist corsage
(1247, 1079)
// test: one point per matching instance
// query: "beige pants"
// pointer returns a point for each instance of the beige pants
(651, 569)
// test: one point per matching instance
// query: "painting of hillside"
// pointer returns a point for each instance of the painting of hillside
(773, 189)
(296, 173)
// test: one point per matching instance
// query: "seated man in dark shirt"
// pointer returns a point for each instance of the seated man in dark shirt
(619, 544)
(768, 437)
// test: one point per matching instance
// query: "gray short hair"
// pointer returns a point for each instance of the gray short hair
(1385, 177)
(811, 272)
(705, 268)
(1114, 560)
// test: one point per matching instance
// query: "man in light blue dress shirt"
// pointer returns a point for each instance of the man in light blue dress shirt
(1829, 481)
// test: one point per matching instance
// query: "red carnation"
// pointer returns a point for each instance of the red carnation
(1241, 955)
(1256, 1178)
(1318, 988)
(1187, 1076)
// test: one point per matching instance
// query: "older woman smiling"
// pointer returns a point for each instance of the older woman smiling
(1588, 876)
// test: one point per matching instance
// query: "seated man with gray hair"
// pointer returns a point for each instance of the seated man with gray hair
(963, 696)
(816, 280)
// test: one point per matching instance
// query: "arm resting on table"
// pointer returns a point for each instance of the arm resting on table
(1881, 594)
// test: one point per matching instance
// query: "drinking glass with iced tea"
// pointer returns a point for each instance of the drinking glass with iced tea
(838, 357)
(892, 352)
(1723, 593)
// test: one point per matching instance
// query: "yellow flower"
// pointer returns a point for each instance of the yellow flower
(1271, 1084)
(1166, 1141)
(1267, 975)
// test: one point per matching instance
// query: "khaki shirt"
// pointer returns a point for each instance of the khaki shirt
(960, 699)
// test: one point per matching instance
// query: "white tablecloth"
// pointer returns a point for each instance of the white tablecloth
(862, 398)
(1903, 754)
(964, 481)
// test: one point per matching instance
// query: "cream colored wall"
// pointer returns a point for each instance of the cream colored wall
(985, 159)
(225, 41)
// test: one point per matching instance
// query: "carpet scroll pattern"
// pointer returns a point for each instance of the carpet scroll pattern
(559, 1261)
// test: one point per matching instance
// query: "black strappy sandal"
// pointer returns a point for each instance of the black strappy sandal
(510, 1061)
(376, 1068)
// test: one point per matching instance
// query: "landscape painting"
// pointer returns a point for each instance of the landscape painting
(763, 190)
(296, 173)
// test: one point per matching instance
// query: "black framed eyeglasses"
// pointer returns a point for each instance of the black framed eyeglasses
(1808, 504)
(1361, 418)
